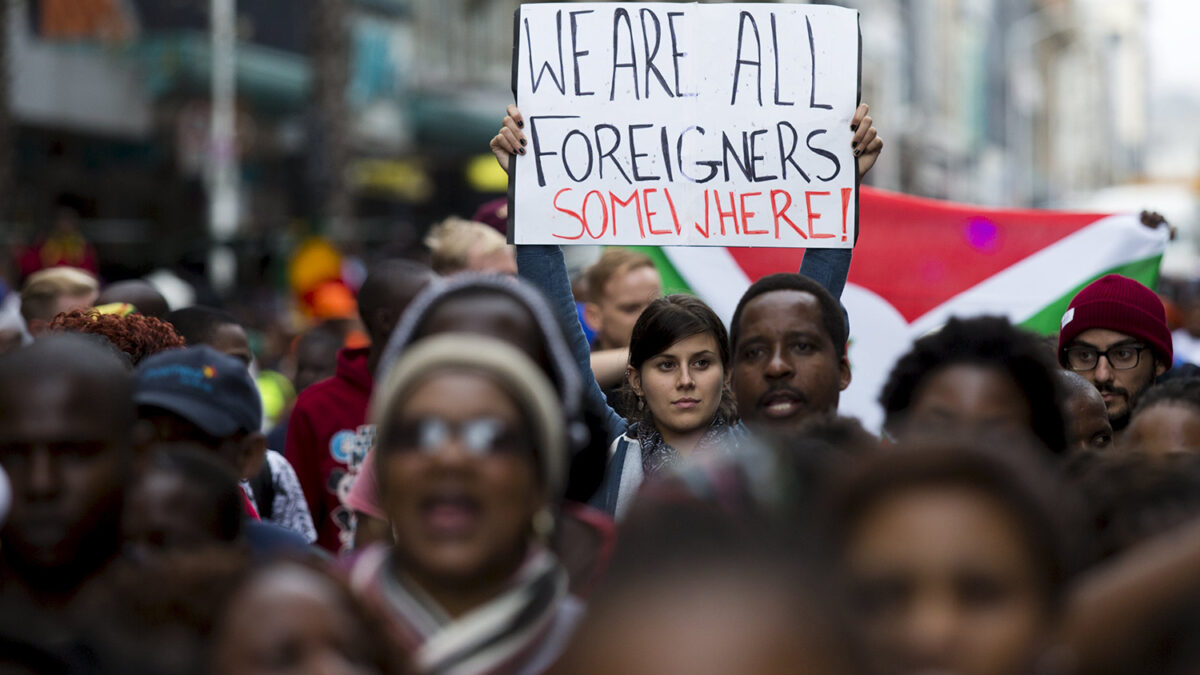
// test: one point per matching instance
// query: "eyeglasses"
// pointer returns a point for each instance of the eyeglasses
(1120, 357)
(479, 437)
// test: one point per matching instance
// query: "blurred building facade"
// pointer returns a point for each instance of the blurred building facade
(1004, 102)
(110, 116)
(1007, 102)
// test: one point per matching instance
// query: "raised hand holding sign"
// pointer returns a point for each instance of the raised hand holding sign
(665, 124)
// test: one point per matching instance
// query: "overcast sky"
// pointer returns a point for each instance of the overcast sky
(1174, 48)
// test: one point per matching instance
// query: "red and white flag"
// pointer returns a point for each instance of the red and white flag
(919, 262)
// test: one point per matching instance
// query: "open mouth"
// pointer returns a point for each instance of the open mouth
(783, 403)
(450, 514)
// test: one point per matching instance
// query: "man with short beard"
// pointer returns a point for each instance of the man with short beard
(1114, 334)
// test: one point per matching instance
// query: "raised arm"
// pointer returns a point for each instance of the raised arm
(830, 266)
(544, 267)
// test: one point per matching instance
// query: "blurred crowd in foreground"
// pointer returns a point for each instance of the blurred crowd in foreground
(492, 465)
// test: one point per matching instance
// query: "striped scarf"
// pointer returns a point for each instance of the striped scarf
(658, 455)
(497, 638)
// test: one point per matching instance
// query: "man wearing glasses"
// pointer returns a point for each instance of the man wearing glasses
(1114, 334)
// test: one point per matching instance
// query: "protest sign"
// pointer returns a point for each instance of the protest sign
(674, 124)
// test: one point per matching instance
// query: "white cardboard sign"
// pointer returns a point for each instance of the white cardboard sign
(685, 124)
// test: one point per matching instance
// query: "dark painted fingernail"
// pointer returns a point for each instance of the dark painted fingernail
(522, 151)
(853, 127)
(520, 124)
(857, 153)
(854, 144)
(522, 141)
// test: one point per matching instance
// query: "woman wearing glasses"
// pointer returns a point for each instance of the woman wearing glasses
(471, 451)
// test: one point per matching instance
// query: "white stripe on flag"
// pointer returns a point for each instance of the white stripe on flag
(1025, 288)
(712, 274)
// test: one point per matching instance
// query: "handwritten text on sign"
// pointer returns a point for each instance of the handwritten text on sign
(703, 125)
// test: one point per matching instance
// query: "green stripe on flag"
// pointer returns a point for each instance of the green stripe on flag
(1049, 319)
(671, 280)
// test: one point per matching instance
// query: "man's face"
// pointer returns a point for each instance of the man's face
(1087, 422)
(966, 398)
(315, 361)
(66, 459)
(1120, 389)
(171, 430)
(621, 302)
(70, 303)
(785, 366)
(230, 339)
(1163, 429)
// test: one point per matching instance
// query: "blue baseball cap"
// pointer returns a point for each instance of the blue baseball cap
(212, 390)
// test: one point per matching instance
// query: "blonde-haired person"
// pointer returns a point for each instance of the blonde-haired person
(460, 245)
(50, 292)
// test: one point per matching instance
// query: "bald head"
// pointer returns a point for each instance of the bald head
(94, 372)
(1086, 416)
(387, 291)
(138, 293)
(66, 414)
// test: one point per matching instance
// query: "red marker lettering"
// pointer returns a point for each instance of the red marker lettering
(814, 216)
(748, 214)
(780, 213)
(569, 212)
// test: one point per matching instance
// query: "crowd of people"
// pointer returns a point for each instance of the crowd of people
(526, 468)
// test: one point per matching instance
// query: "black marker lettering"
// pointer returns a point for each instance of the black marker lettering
(712, 164)
(634, 154)
(737, 70)
(812, 52)
(775, 50)
(537, 143)
(621, 13)
(666, 148)
(602, 153)
(786, 154)
(675, 53)
(576, 53)
(756, 158)
(652, 52)
(559, 81)
(587, 146)
(837, 166)
(741, 161)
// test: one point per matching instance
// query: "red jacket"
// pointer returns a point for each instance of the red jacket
(327, 439)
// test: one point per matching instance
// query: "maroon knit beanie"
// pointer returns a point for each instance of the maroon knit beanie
(1119, 304)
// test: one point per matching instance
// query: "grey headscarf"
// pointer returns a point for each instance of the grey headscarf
(565, 375)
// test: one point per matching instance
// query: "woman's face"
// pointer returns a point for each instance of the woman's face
(292, 620)
(682, 386)
(459, 480)
(970, 398)
(946, 583)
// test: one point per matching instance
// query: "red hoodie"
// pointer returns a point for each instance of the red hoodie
(327, 439)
